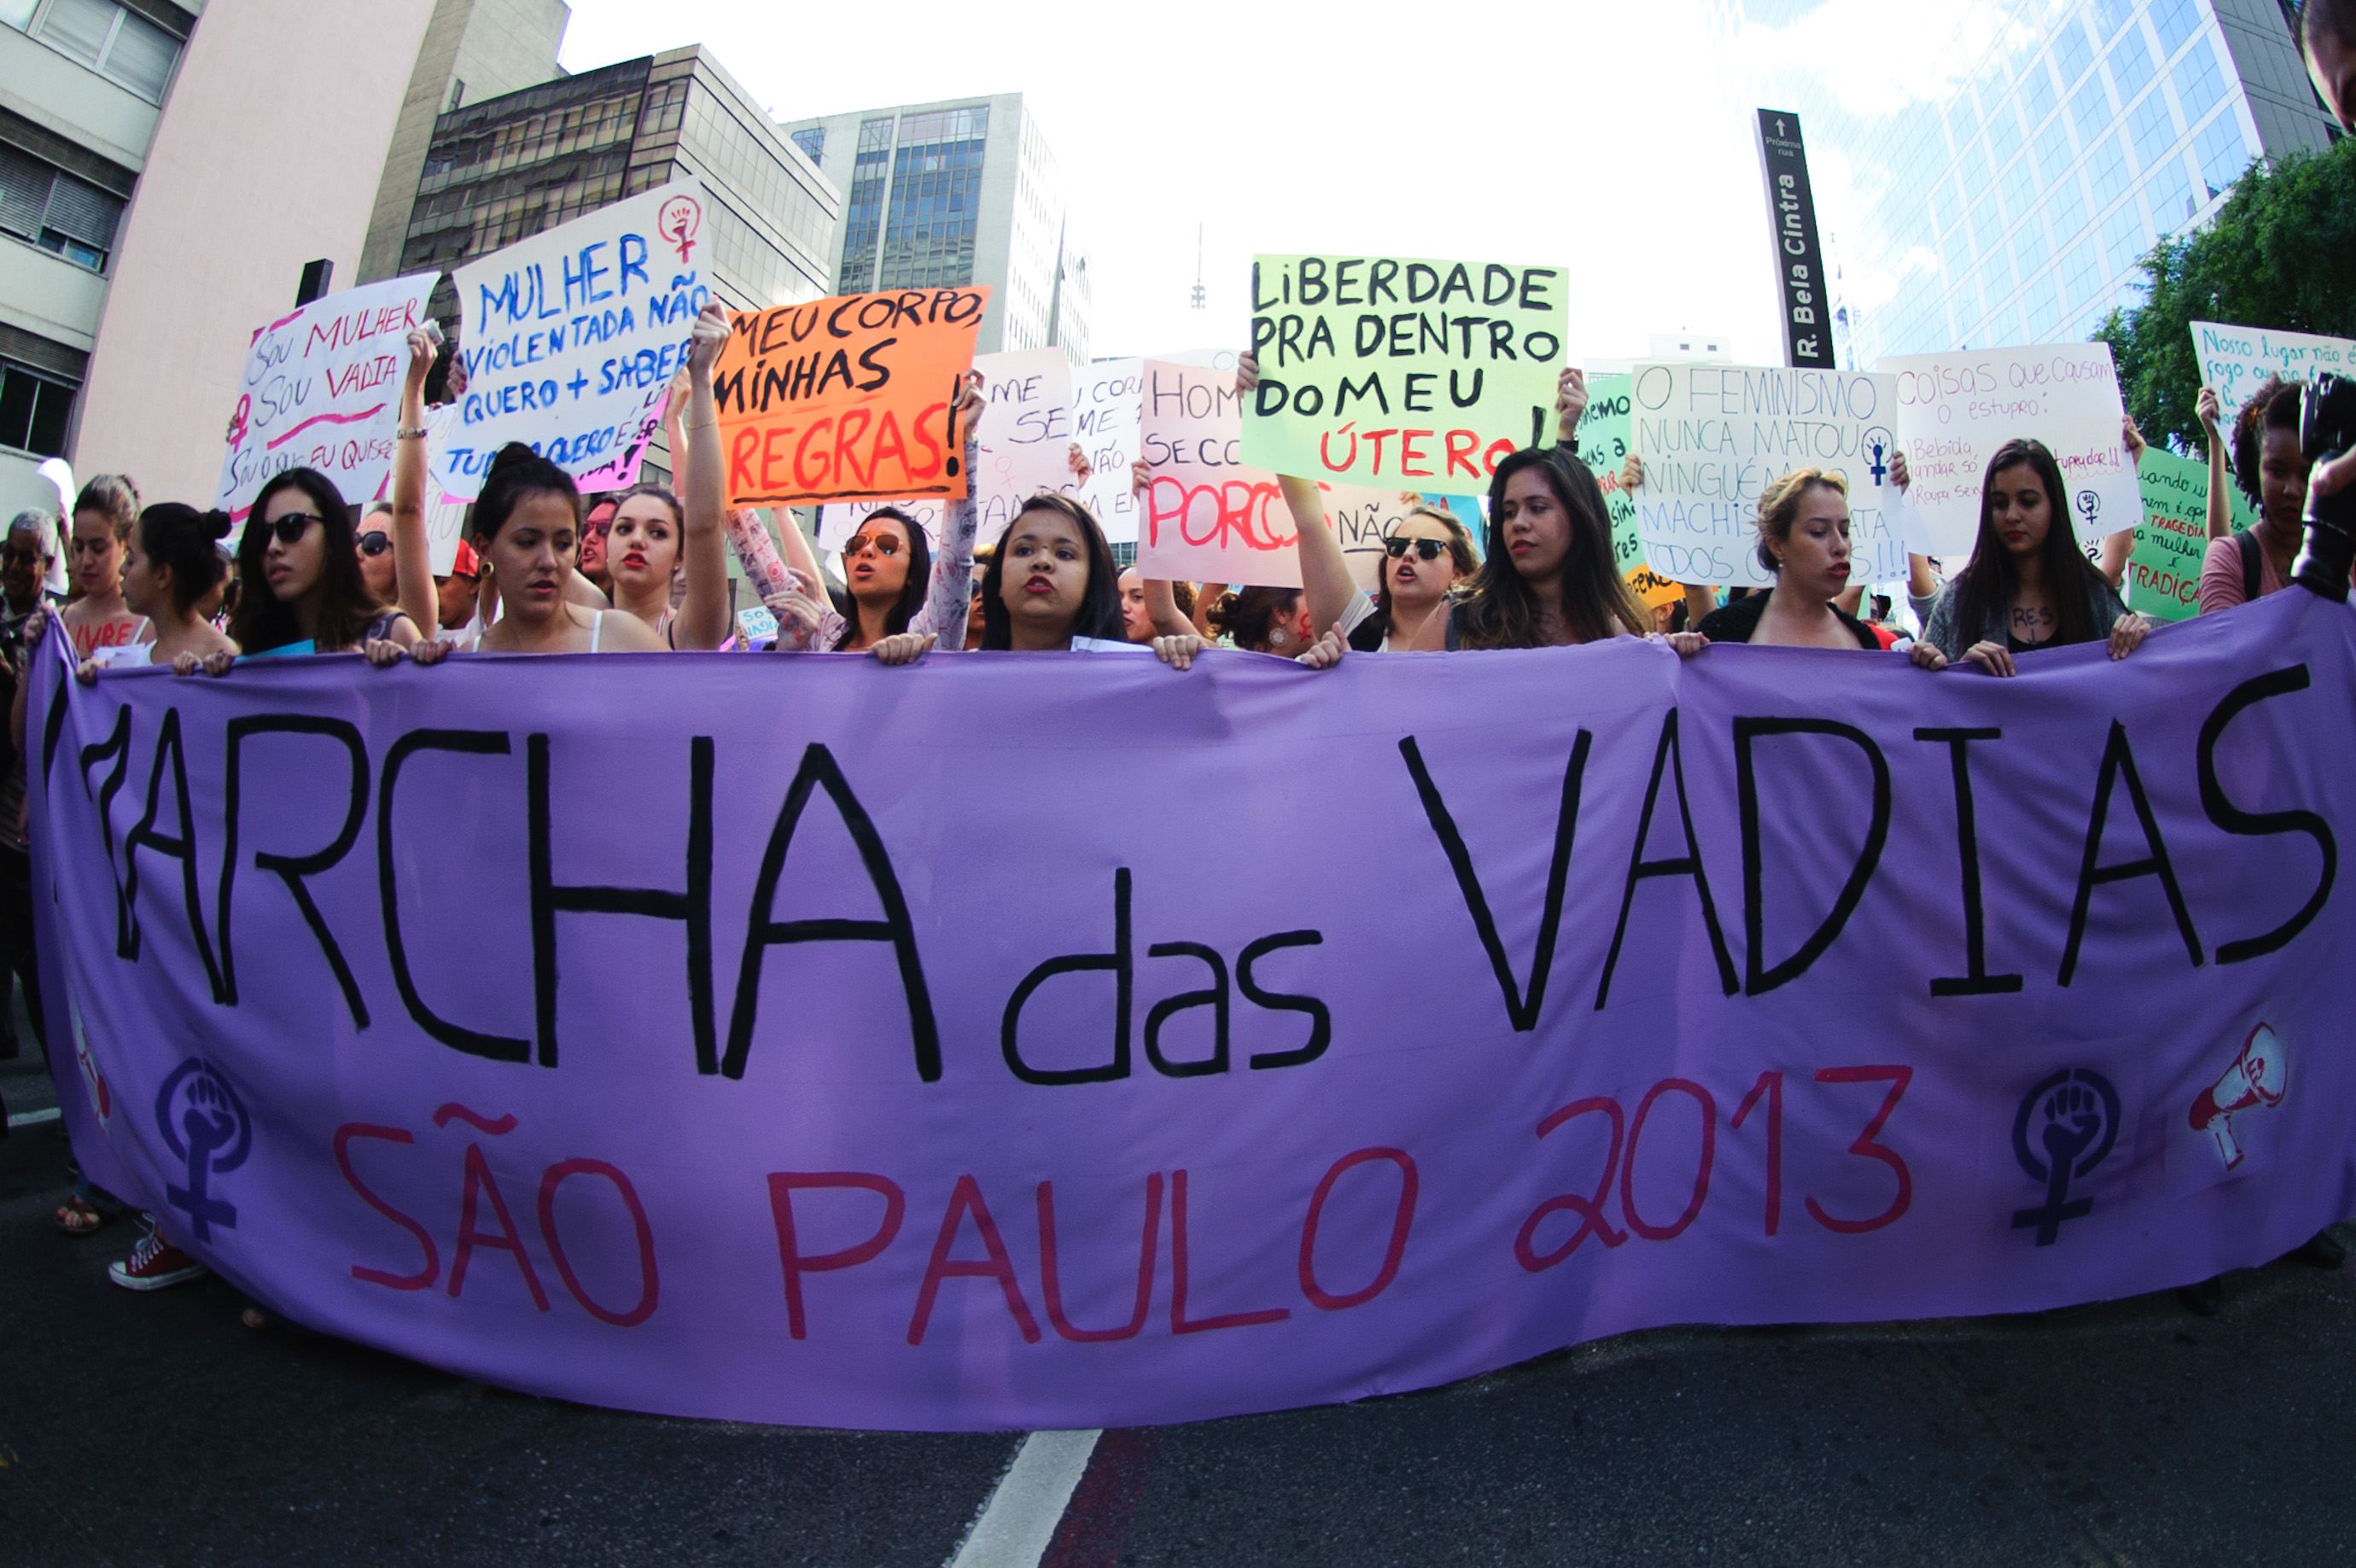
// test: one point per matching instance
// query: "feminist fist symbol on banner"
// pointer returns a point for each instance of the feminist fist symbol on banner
(218, 1137)
(680, 217)
(2079, 1111)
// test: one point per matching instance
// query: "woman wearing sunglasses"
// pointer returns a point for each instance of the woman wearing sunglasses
(891, 578)
(103, 626)
(1425, 554)
(376, 552)
(300, 590)
(904, 598)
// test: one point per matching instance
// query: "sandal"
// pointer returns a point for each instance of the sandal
(76, 1217)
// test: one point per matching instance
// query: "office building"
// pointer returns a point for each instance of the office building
(963, 191)
(81, 89)
(500, 169)
(473, 49)
(2009, 202)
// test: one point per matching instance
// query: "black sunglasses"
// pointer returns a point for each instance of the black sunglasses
(1425, 550)
(292, 526)
(371, 544)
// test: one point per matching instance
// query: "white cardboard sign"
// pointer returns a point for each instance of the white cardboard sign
(2234, 359)
(1024, 444)
(1207, 518)
(572, 337)
(321, 388)
(1712, 437)
(1955, 409)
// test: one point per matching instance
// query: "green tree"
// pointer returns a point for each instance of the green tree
(2280, 253)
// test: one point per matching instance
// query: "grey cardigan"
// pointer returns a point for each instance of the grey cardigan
(1943, 634)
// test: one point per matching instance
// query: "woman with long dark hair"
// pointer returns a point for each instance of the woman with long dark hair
(888, 566)
(527, 524)
(1263, 620)
(1546, 578)
(2029, 585)
(300, 588)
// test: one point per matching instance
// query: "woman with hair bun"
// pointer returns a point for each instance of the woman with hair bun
(1803, 543)
(1264, 620)
(172, 567)
(103, 515)
(526, 525)
(2029, 585)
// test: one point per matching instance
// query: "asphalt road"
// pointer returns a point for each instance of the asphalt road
(156, 1429)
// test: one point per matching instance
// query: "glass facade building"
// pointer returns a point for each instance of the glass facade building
(2010, 203)
(504, 168)
(951, 193)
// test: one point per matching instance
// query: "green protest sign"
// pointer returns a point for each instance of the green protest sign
(2164, 571)
(1604, 441)
(1389, 370)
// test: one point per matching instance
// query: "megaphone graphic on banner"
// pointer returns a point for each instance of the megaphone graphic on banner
(2255, 1080)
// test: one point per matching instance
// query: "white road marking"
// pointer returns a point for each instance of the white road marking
(33, 1119)
(1015, 1527)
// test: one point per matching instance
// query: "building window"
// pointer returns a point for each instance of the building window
(2081, 274)
(2153, 128)
(812, 143)
(2028, 246)
(2090, 110)
(2222, 152)
(2125, 239)
(2174, 21)
(2107, 168)
(2053, 154)
(936, 199)
(2169, 190)
(68, 217)
(2072, 53)
(2044, 311)
(863, 210)
(2110, 16)
(2198, 84)
(2130, 66)
(34, 410)
(122, 47)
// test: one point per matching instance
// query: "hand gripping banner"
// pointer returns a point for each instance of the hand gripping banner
(1025, 1040)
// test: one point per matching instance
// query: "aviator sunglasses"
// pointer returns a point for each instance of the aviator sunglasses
(882, 544)
(1425, 550)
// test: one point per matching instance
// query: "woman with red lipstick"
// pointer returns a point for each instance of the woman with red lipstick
(1804, 540)
(2029, 585)
(650, 545)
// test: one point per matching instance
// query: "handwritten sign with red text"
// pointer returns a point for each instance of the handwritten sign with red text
(1208, 518)
(322, 389)
(846, 399)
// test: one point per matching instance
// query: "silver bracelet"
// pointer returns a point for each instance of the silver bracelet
(409, 432)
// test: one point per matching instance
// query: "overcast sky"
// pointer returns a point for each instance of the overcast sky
(1612, 139)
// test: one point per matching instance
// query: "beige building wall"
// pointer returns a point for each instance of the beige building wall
(473, 49)
(244, 184)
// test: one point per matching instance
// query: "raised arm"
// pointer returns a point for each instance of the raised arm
(702, 618)
(1325, 579)
(412, 563)
(950, 594)
(2220, 503)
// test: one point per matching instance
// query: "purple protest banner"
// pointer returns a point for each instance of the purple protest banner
(1032, 1041)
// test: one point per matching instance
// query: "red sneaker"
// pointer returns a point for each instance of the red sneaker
(153, 1264)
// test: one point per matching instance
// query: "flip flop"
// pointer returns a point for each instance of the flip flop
(76, 1218)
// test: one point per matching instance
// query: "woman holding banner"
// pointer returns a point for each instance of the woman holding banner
(170, 569)
(103, 515)
(1052, 587)
(2028, 586)
(1546, 578)
(1803, 543)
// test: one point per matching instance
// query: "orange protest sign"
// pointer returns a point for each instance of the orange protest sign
(846, 399)
(1654, 589)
